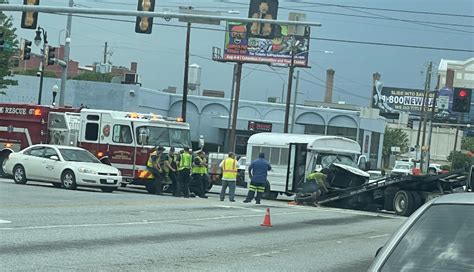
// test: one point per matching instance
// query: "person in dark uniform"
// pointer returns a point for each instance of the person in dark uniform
(258, 170)
(173, 173)
(199, 171)
(155, 167)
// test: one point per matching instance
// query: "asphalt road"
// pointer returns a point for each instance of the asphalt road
(48, 229)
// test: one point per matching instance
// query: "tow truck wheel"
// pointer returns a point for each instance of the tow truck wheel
(417, 201)
(19, 175)
(68, 179)
(107, 189)
(403, 203)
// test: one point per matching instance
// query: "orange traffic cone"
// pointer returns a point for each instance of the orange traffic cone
(266, 219)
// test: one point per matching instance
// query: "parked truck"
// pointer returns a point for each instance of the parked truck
(122, 139)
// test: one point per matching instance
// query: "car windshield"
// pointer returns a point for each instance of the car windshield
(442, 239)
(402, 166)
(164, 136)
(327, 160)
(78, 155)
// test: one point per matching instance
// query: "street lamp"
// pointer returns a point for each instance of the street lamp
(55, 92)
(41, 32)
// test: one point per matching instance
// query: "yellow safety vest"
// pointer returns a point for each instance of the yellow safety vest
(185, 162)
(229, 169)
(198, 169)
(149, 163)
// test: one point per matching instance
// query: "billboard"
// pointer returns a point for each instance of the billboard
(392, 100)
(264, 43)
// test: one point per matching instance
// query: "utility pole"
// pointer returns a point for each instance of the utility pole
(453, 158)
(42, 74)
(105, 53)
(425, 95)
(235, 108)
(186, 70)
(425, 118)
(293, 114)
(282, 93)
(430, 133)
(288, 94)
(231, 106)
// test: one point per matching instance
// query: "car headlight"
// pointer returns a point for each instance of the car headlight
(87, 171)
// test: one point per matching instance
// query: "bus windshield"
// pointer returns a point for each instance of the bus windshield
(327, 159)
(164, 136)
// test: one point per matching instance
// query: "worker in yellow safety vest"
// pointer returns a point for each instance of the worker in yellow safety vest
(184, 170)
(199, 184)
(229, 176)
(153, 165)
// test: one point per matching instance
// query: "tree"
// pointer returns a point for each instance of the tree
(467, 144)
(394, 137)
(91, 76)
(461, 160)
(10, 47)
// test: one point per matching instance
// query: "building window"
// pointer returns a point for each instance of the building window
(314, 129)
(350, 133)
(122, 134)
(92, 131)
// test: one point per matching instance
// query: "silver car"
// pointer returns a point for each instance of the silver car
(439, 236)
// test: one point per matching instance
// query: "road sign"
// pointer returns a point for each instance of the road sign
(443, 102)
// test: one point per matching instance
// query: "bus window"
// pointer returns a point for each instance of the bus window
(274, 156)
(284, 156)
(255, 152)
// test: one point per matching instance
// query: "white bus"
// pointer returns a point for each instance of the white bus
(319, 152)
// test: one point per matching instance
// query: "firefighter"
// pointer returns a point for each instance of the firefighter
(199, 175)
(173, 173)
(229, 176)
(184, 170)
(153, 165)
(258, 170)
(320, 180)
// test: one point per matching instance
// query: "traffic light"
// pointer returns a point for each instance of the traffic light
(462, 100)
(2, 41)
(25, 50)
(29, 19)
(50, 55)
(410, 123)
(144, 24)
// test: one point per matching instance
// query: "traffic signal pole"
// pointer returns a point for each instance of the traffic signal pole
(62, 91)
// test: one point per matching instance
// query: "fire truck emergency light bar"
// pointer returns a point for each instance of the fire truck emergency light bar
(153, 117)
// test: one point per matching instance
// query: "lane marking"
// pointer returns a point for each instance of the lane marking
(240, 207)
(4, 221)
(378, 236)
(147, 222)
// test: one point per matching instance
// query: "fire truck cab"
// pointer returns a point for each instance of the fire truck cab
(122, 139)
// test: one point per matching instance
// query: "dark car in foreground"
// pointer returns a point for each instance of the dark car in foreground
(439, 236)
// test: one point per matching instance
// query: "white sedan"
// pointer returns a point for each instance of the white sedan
(64, 166)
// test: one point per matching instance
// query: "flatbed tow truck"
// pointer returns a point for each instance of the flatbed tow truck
(346, 189)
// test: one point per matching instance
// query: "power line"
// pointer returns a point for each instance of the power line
(391, 10)
(313, 38)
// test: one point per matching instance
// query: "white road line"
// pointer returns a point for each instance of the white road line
(378, 236)
(239, 207)
(4, 221)
(146, 222)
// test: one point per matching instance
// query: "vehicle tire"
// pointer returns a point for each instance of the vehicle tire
(151, 187)
(19, 175)
(56, 185)
(403, 203)
(107, 189)
(268, 194)
(389, 195)
(68, 180)
(166, 188)
(3, 159)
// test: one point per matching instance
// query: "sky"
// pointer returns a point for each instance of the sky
(160, 55)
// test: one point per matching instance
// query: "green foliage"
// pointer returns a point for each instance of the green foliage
(394, 137)
(91, 76)
(467, 144)
(9, 50)
(34, 73)
(460, 160)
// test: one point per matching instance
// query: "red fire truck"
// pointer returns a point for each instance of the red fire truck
(122, 139)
